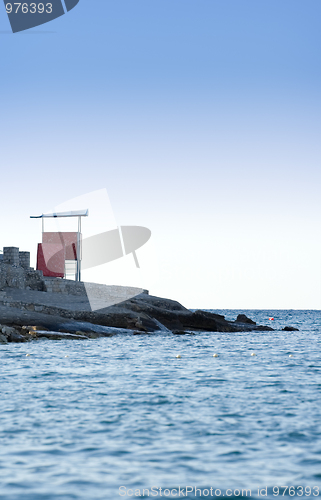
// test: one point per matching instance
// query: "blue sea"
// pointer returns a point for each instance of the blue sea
(121, 417)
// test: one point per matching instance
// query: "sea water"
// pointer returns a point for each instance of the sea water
(121, 417)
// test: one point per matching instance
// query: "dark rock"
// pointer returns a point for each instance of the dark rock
(182, 332)
(11, 334)
(60, 336)
(242, 318)
(16, 337)
(143, 313)
(290, 329)
(174, 316)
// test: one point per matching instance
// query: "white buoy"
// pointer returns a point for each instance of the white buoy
(27, 354)
(178, 356)
(253, 354)
(291, 356)
(215, 355)
(67, 356)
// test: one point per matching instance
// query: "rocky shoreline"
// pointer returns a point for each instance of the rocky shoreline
(27, 315)
(35, 307)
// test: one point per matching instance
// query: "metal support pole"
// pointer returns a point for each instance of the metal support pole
(79, 250)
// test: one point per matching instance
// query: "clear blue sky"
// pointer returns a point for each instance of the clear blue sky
(202, 120)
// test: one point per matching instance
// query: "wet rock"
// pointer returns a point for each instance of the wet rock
(3, 339)
(242, 318)
(16, 337)
(143, 313)
(182, 332)
(7, 330)
(60, 335)
(173, 315)
(93, 335)
(290, 329)
(12, 334)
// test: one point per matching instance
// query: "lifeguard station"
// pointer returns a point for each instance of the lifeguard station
(59, 255)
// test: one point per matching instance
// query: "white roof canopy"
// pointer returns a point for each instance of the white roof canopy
(75, 213)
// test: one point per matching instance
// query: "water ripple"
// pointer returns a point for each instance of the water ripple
(124, 411)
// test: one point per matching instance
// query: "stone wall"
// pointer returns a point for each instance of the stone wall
(24, 260)
(11, 256)
(14, 276)
(15, 271)
(59, 285)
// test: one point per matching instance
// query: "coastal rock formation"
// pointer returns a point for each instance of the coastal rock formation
(62, 309)
(10, 334)
(58, 315)
(242, 318)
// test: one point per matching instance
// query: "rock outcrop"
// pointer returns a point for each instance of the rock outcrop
(62, 309)
(67, 314)
(242, 318)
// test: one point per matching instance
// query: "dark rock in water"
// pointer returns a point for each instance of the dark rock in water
(60, 335)
(262, 328)
(206, 321)
(182, 332)
(242, 318)
(3, 339)
(11, 334)
(16, 337)
(173, 315)
(245, 324)
(290, 329)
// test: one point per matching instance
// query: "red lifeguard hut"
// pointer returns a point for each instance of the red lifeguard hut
(60, 250)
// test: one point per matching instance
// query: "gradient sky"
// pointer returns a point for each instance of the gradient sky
(201, 118)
